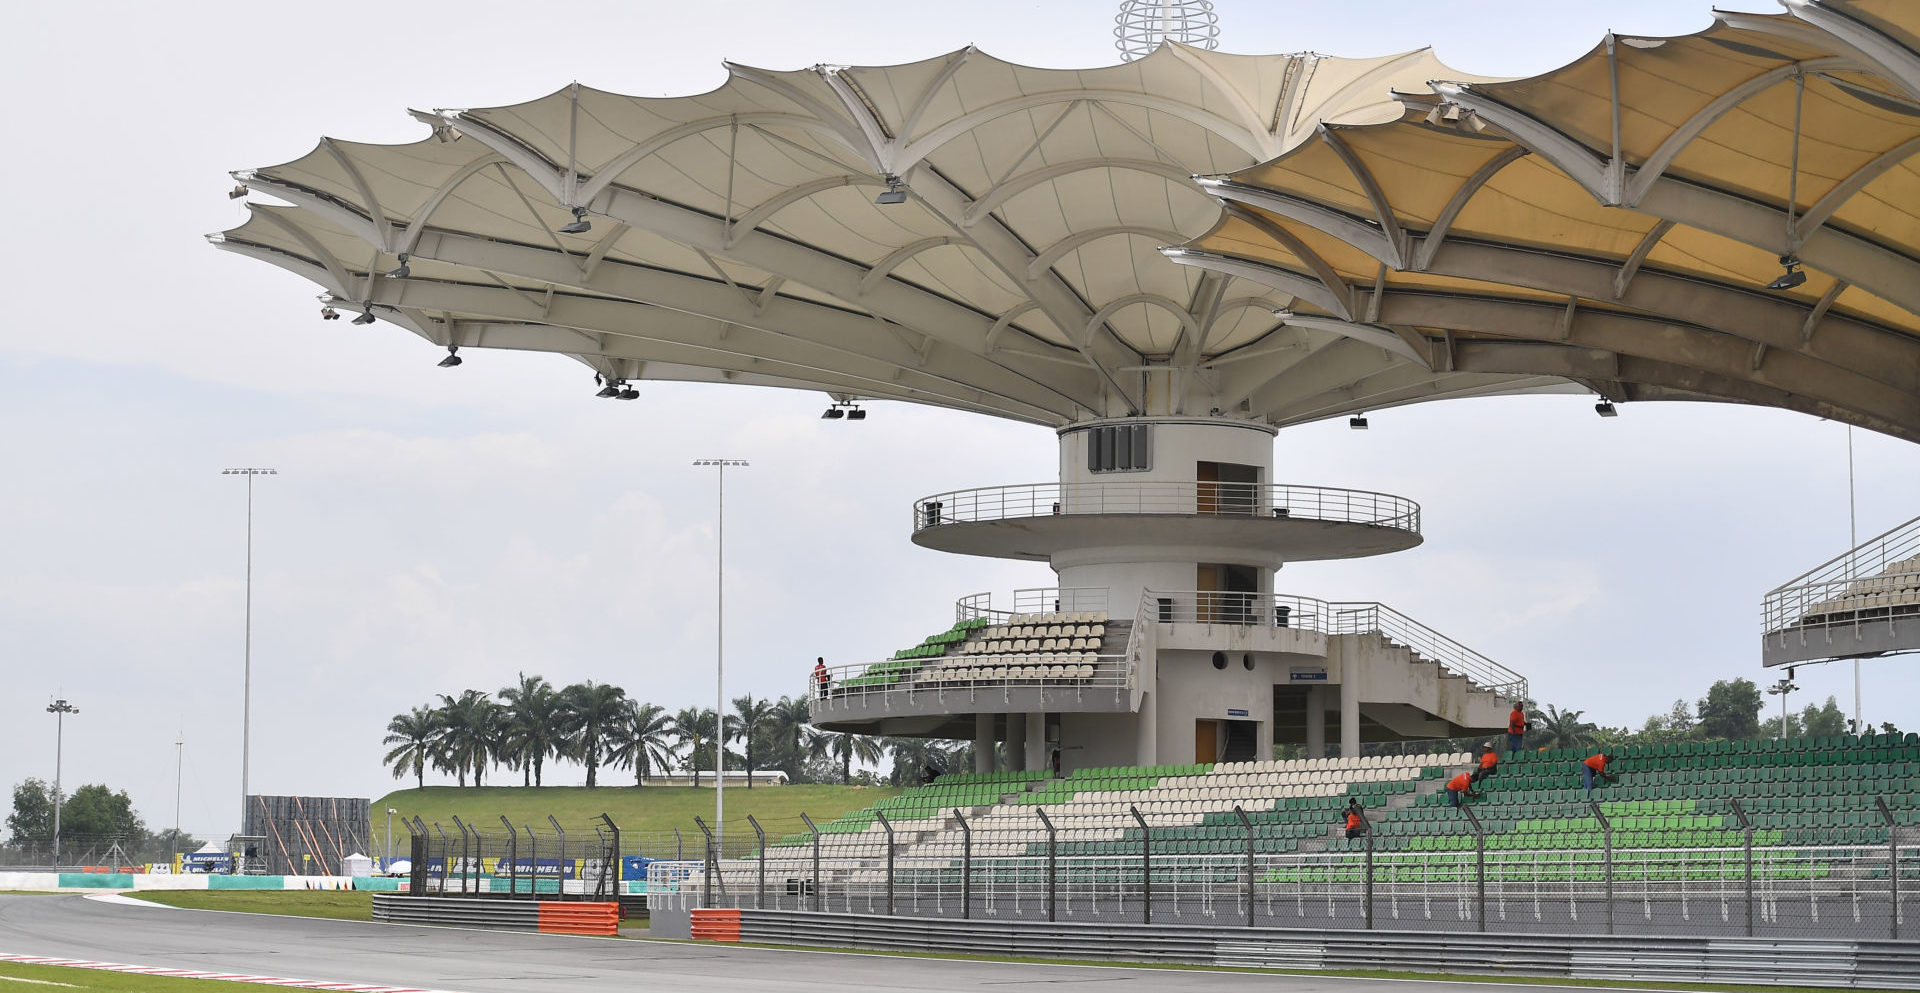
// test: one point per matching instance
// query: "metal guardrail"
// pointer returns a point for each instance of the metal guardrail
(1317, 503)
(547, 916)
(1882, 572)
(1328, 617)
(1779, 962)
(506, 915)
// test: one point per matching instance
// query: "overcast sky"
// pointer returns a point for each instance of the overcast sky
(433, 530)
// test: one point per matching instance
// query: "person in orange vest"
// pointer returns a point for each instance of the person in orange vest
(1459, 787)
(1516, 728)
(820, 673)
(1356, 821)
(1489, 762)
(1595, 767)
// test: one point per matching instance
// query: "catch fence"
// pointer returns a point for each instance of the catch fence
(1718, 869)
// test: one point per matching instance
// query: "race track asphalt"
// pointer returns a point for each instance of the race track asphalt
(510, 962)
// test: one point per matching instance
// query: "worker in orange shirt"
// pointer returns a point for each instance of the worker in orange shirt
(1595, 767)
(1460, 787)
(1516, 728)
(1489, 762)
(1356, 821)
(820, 678)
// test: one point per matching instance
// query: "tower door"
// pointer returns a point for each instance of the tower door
(1206, 741)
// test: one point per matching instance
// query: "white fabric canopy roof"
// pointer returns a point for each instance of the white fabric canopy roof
(735, 238)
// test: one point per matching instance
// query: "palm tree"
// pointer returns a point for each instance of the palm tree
(535, 726)
(641, 741)
(847, 747)
(750, 720)
(593, 710)
(413, 736)
(694, 727)
(1564, 728)
(914, 757)
(789, 735)
(468, 734)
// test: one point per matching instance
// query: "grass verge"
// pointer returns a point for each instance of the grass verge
(18, 978)
(653, 810)
(338, 905)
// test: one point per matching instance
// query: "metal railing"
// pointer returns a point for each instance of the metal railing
(1317, 503)
(1282, 610)
(1870, 582)
(1039, 600)
(970, 675)
(1233, 867)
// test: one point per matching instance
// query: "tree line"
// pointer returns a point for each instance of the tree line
(520, 728)
(92, 818)
(1732, 710)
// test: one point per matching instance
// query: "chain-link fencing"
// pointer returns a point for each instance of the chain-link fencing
(1644, 867)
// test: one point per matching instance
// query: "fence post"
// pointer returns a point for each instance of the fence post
(1146, 867)
(1247, 823)
(1893, 868)
(1053, 851)
(611, 868)
(887, 826)
(560, 877)
(1366, 898)
(679, 847)
(464, 862)
(1746, 830)
(1480, 864)
(446, 855)
(966, 865)
(1606, 859)
(711, 864)
(808, 821)
(513, 857)
(760, 883)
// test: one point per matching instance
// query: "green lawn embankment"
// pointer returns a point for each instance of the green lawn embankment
(638, 810)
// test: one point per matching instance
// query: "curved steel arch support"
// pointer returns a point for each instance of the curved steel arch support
(1670, 148)
(1073, 242)
(1817, 215)
(998, 194)
(920, 148)
(1443, 224)
(1895, 61)
(1396, 240)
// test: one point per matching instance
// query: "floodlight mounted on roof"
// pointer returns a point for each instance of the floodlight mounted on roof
(627, 394)
(329, 314)
(1791, 278)
(453, 357)
(366, 316)
(1357, 422)
(579, 224)
(1605, 408)
(236, 193)
(609, 391)
(894, 193)
(402, 270)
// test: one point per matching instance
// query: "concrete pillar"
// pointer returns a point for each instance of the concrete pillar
(1350, 688)
(1037, 741)
(983, 743)
(1317, 722)
(1016, 743)
(1146, 736)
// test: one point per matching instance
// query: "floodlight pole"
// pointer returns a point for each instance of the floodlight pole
(59, 709)
(246, 663)
(179, 753)
(720, 654)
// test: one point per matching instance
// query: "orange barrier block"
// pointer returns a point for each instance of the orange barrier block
(716, 925)
(579, 918)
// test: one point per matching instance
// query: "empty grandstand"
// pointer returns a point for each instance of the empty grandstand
(1863, 602)
(1742, 837)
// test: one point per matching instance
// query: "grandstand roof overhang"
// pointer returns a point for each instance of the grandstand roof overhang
(735, 236)
(1615, 222)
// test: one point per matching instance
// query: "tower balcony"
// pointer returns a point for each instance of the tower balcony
(1269, 523)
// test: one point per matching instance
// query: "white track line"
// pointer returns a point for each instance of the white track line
(230, 977)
